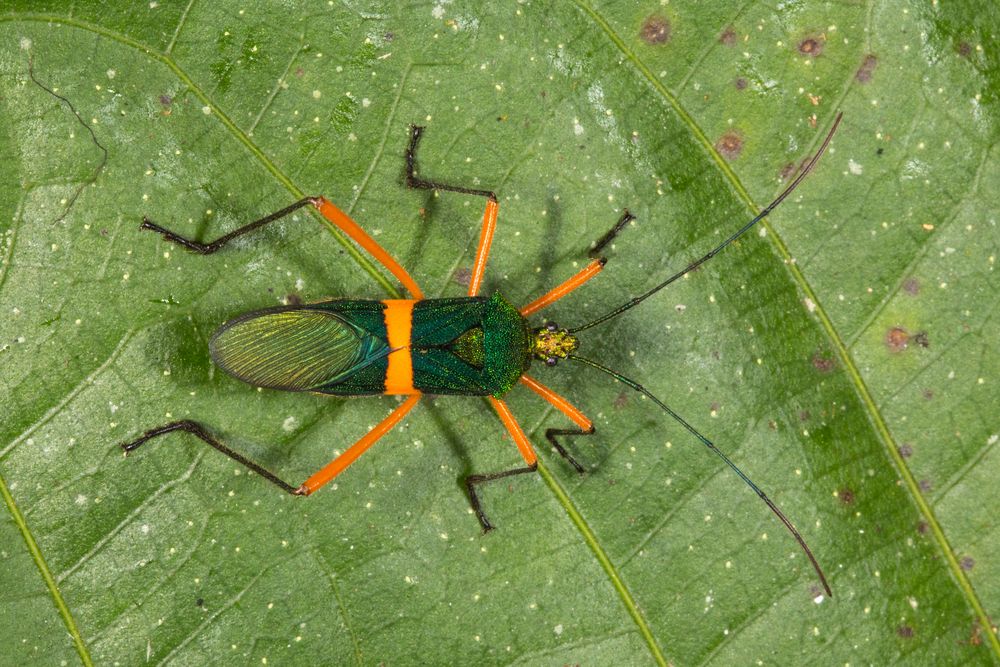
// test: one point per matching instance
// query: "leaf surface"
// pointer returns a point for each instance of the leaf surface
(845, 357)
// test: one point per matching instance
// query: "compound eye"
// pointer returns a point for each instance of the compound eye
(551, 326)
(551, 361)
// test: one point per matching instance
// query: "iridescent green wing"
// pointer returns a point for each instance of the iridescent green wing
(291, 348)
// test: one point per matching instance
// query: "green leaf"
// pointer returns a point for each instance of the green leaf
(845, 358)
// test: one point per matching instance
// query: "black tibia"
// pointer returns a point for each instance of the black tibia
(472, 480)
(550, 435)
(411, 168)
(196, 429)
(217, 244)
(595, 252)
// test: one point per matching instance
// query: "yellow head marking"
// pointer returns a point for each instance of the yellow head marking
(551, 343)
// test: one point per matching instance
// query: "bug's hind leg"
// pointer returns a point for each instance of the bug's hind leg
(197, 430)
(216, 245)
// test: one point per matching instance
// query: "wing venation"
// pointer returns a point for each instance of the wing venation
(295, 349)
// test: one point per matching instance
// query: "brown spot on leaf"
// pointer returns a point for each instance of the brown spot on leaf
(922, 527)
(811, 46)
(293, 300)
(864, 73)
(911, 286)
(822, 363)
(964, 49)
(905, 450)
(976, 638)
(740, 83)
(730, 145)
(967, 563)
(804, 416)
(846, 496)
(921, 339)
(904, 631)
(165, 100)
(790, 169)
(928, 394)
(897, 339)
(621, 400)
(925, 485)
(773, 425)
(728, 36)
(462, 276)
(655, 30)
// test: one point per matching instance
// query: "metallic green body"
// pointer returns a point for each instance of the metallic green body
(472, 346)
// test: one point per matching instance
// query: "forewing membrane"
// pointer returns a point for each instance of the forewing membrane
(295, 349)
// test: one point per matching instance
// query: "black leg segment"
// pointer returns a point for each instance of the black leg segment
(472, 480)
(595, 252)
(411, 168)
(196, 429)
(550, 435)
(217, 244)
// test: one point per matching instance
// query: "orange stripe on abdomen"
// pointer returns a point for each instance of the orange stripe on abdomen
(398, 326)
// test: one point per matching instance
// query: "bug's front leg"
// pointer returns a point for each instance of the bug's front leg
(550, 435)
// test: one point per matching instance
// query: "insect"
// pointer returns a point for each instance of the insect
(472, 345)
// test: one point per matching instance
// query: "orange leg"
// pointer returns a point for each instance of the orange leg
(564, 288)
(344, 223)
(520, 439)
(339, 464)
(483, 251)
(558, 402)
(523, 445)
(567, 408)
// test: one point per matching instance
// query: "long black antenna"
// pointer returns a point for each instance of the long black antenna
(708, 443)
(631, 303)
